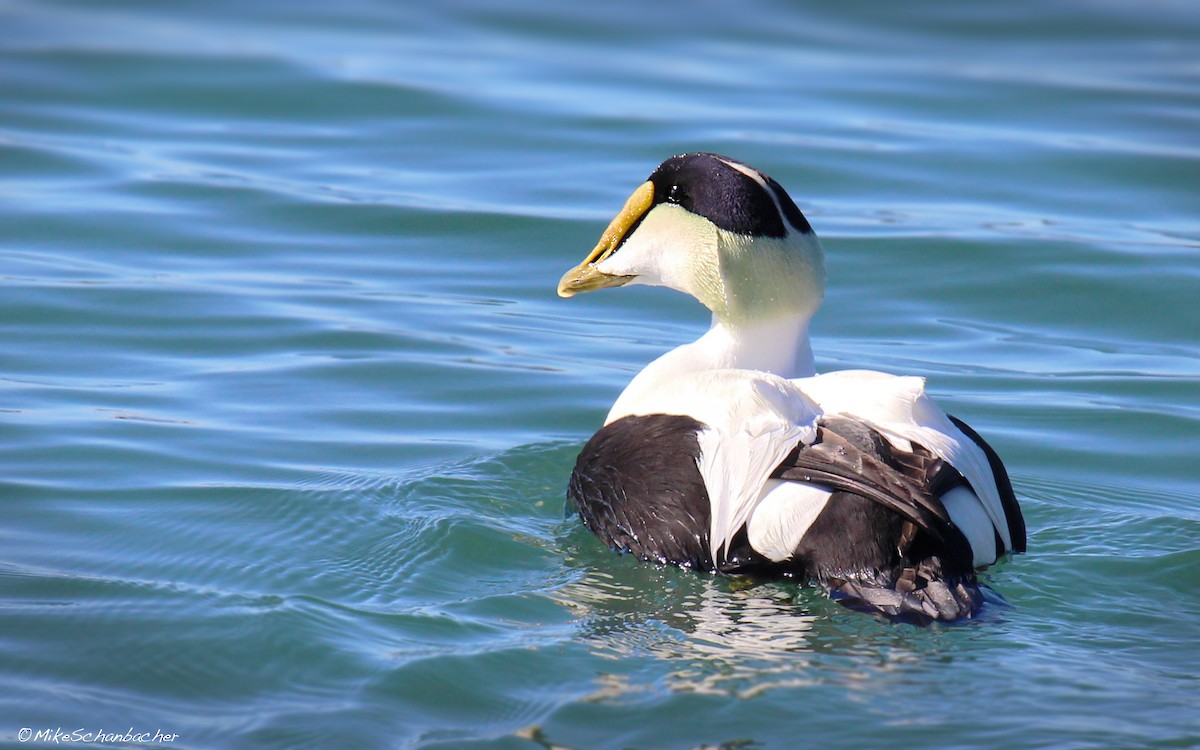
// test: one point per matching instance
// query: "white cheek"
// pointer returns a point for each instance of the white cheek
(641, 257)
(664, 249)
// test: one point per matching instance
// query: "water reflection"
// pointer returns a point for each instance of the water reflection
(666, 630)
(716, 635)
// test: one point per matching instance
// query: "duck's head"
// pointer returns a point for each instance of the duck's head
(714, 228)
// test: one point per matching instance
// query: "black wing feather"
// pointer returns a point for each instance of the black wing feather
(838, 459)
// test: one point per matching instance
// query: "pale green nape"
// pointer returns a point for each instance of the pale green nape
(764, 278)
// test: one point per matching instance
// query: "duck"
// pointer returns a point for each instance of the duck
(733, 456)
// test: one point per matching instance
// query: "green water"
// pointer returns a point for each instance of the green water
(288, 403)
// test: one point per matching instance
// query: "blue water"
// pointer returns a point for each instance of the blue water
(288, 403)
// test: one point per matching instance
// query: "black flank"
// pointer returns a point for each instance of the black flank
(636, 485)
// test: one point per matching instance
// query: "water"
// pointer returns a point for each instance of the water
(288, 403)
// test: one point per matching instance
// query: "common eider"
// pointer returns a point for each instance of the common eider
(731, 455)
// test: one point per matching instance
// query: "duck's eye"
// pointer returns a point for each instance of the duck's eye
(676, 194)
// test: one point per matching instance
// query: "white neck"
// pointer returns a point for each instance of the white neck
(779, 345)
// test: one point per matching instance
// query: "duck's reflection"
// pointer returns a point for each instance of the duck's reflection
(720, 635)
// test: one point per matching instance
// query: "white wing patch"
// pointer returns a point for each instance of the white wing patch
(970, 517)
(753, 420)
(783, 516)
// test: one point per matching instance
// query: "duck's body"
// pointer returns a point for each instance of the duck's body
(731, 455)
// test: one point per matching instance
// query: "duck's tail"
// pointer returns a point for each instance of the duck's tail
(919, 594)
